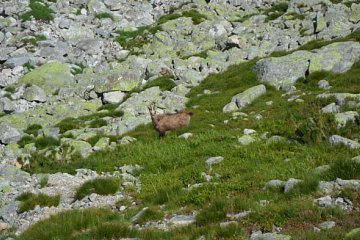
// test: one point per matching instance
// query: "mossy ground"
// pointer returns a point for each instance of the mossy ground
(171, 165)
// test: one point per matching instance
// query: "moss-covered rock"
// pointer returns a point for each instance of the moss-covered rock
(50, 76)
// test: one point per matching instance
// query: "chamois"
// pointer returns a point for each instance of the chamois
(166, 122)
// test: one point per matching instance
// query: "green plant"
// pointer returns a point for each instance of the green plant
(30, 200)
(97, 123)
(26, 140)
(276, 11)
(33, 129)
(10, 89)
(214, 213)
(29, 66)
(79, 69)
(105, 15)
(39, 10)
(44, 181)
(45, 142)
(34, 39)
(102, 186)
(164, 83)
(151, 213)
(195, 16)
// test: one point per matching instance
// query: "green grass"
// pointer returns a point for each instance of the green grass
(101, 186)
(34, 40)
(105, 15)
(97, 123)
(33, 129)
(29, 66)
(150, 214)
(39, 10)
(276, 11)
(214, 213)
(171, 165)
(295, 15)
(195, 16)
(164, 83)
(45, 142)
(79, 69)
(25, 140)
(30, 200)
(10, 89)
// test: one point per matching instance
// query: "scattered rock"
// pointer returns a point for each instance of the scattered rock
(243, 99)
(214, 160)
(182, 220)
(327, 225)
(338, 140)
(186, 135)
(246, 140)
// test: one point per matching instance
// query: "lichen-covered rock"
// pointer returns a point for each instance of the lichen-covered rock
(282, 72)
(331, 108)
(117, 80)
(50, 77)
(243, 99)
(343, 118)
(355, 12)
(113, 97)
(335, 57)
(76, 32)
(82, 147)
(9, 134)
(34, 93)
(246, 139)
(6, 105)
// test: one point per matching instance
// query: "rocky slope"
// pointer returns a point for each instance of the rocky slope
(76, 82)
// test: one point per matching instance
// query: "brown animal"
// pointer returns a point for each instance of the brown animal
(166, 122)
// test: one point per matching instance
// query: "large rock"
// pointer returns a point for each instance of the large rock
(243, 99)
(6, 105)
(34, 93)
(8, 134)
(282, 72)
(117, 81)
(336, 57)
(50, 77)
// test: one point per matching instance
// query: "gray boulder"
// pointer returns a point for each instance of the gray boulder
(339, 140)
(331, 108)
(282, 72)
(243, 99)
(34, 94)
(343, 118)
(6, 105)
(8, 134)
(113, 97)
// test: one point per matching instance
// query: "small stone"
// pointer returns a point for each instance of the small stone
(122, 208)
(182, 220)
(331, 108)
(327, 225)
(269, 103)
(274, 184)
(290, 184)
(323, 84)
(356, 159)
(338, 140)
(226, 224)
(214, 160)
(246, 140)
(249, 131)
(324, 201)
(186, 135)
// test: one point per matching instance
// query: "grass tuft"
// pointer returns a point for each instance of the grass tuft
(102, 186)
(33, 129)
(105, 15)
(214, 213)
(45, 142)
(39, 10)
(30, 200)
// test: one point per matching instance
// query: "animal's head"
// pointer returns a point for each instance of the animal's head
(152, 110)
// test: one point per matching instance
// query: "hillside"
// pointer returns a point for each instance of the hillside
(272, 150)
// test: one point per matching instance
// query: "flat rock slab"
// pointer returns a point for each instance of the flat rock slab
(182, 220)
(241, 100)
(338, 140)
(214, 160)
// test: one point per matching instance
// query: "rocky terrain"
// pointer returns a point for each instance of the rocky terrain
(76, 78)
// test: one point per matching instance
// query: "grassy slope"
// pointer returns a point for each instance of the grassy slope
(172, 164)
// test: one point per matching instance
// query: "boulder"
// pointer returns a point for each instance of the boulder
(8, 134)
(282, 72)
(343, 118)
(113, 97)
(50, 77)
(243, 99)
(34, 94)
(339, 140)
